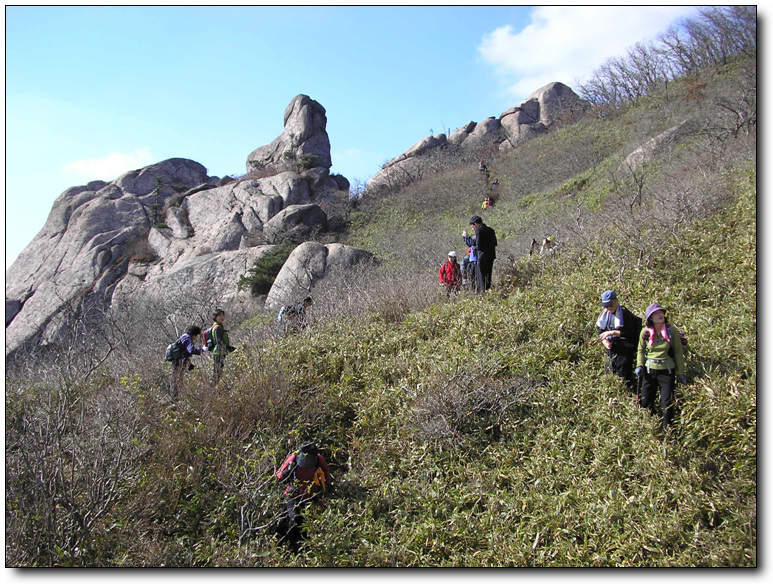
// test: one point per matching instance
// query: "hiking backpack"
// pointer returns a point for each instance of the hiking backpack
(174, 351)
(208, 338)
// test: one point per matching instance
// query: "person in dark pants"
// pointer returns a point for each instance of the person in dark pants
(308, 477)
(470, 263)
(183, 362)
(222, 346)
(486, 245)
(659, 362)
(618, 330)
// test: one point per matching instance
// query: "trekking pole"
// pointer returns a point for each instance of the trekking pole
(638, 387)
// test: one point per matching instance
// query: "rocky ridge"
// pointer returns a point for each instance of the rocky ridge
(168, 231)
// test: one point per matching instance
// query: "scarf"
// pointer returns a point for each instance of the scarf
(663, 333)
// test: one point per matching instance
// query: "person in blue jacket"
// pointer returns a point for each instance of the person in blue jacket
(470, 262)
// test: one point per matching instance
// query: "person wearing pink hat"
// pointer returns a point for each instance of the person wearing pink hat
(659, 362)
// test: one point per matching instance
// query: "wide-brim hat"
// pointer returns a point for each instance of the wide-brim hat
(652, 309)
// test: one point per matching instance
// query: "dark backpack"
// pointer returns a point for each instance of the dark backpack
(174, 351)
(208, 338)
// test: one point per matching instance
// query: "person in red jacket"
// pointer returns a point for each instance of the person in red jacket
(451, 274)
(308, 476)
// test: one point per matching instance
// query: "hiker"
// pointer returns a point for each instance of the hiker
(221, 342)
(659, 362)
(182, 363)
(618, 330)
(495, 184)
(470, 263)
(308, 477)
(485, 247)
(534, 247)
(451, 275)
(483, 168)
(487, 202)
(548, 245)
(293, 316)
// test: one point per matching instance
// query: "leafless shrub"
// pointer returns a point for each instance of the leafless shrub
(468, 403)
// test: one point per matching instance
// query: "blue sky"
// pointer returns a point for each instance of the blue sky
(95, 91)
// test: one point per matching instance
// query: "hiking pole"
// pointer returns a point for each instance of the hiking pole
(638, 387)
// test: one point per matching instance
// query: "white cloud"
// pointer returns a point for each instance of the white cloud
(110, 167)
(566, 43)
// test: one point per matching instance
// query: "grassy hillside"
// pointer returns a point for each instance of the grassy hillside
(476, 431)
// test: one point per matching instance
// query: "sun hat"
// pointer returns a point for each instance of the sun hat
(652, 309)
(608, 297)
(452, 254)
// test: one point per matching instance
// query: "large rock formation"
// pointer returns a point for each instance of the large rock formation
(170, 231)
(532, 117)
(307, 264)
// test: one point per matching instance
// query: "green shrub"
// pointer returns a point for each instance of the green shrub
(260, 277)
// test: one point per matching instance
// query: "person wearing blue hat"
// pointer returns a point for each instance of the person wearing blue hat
(618, 330)
(660, 362)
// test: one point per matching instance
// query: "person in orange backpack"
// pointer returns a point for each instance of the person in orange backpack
(451, 274)
(307, 475)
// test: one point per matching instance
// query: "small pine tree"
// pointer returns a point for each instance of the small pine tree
(260, 277)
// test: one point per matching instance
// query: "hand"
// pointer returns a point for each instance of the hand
(682, 379)
(639, 371)
(204, 348)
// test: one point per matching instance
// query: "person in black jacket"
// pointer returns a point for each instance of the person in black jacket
(618, 330)
(486, 246)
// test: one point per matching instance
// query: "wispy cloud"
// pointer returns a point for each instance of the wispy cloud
(567, 43)
(110, 167)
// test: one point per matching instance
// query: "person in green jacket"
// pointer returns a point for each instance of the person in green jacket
(222, 346)
(659, 362)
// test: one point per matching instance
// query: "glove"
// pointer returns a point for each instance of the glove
(204, 348)
(639, 371)
(190, 367)
(682, 379)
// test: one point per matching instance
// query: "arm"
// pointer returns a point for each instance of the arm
(286, 468)
(217, 333)
(676, 343)
(641, 354)
(188, 346)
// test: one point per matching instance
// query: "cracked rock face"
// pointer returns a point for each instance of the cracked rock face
(168, 230)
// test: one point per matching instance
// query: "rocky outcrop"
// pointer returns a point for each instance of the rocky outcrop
(532, 117)
(304, 138)
(169, 229)
(647, 151)
(307, 265)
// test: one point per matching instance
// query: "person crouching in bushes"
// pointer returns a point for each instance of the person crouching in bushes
(660, 362)
(308, 476)
(183, 362)
(451, 274)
